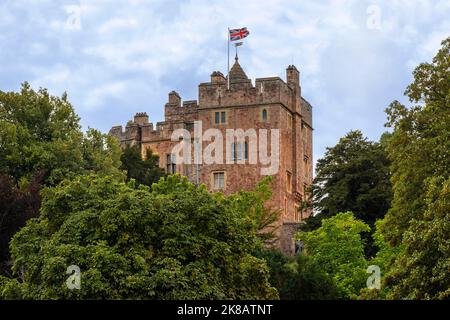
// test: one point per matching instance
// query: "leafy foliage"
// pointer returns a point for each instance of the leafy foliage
(353, 176)
(420, 144)
(16, 207)
(40, 138)
(417, 223)
(337, 250)
(298, 278)
(422, 270)
(143, 171)
(263, 218)
(42, 132)
(176, 242)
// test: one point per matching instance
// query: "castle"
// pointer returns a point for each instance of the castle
(236, 103)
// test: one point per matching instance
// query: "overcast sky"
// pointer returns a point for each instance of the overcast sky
(116, 58)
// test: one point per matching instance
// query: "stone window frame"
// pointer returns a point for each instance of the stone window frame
(239, 151)
(171, 166)
(218, 115)
(261, 118)
(213, 175)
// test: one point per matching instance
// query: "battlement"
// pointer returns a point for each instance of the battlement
(216, 94)
(174, 110)
(217, 77)
(141, 130)
(265, 91)
(141, 118)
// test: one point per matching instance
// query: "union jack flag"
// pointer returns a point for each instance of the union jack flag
(238, 34)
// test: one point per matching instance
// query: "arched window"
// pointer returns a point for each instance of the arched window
(264, 115)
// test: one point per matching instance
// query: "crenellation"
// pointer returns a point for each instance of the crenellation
(217, 77)
(141, 118)
(174, 99)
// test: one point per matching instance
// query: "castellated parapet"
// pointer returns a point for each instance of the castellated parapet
(270, 103)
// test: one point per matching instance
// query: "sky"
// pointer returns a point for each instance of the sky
(116, 58)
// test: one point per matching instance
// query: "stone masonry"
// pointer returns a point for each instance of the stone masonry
(269, 104)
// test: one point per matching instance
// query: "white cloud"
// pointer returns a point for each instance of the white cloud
(95, 97)
(118, 23)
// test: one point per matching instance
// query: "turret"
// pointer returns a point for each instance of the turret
(217, 77)
(141, 118)
(293, 81)
(292, 77)
(174, 99)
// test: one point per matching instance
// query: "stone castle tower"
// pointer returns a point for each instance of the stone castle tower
(269, 104)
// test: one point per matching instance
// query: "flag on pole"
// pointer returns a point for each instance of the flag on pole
(238, 34)
(237, 44)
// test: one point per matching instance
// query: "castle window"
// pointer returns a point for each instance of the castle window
(220, 117)
(217, 118)
(264, 115)
(289, 182)
(219, 180)
(171, 166)
(297, 212)
(236, 151)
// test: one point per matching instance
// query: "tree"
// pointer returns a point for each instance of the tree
(422, 269)
(42, 132)
(298, 278)
(144, 171)
(16, 207)
(263, 217)
(178, 241)
(353, 176)
(337, 250)
(40, 138)
(417, 223)
(420, 144)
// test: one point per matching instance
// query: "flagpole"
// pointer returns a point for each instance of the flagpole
(228, 74)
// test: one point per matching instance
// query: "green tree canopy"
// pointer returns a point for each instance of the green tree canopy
(16, 207)
(39, 131)
(420, 144)
(336, 248)
(422, 269)
(353, 176)
(178, 241)
(40, 137)
(299, 278)
(417, 227)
